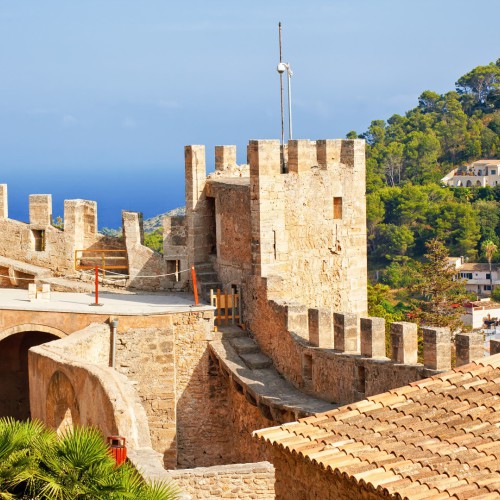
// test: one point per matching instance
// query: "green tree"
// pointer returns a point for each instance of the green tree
(393, 240)
(439, 296)
(489, 250)
(480, 82)
(154, 240)
(36, 463)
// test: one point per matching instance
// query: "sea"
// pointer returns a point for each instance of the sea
(150, 189)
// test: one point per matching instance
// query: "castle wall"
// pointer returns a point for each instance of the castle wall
(66, 389)
(296, 478)
(330, 358)
(242, 481)
(233, 229)
(309, 225)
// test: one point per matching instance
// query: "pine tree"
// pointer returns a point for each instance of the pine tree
(439, 295)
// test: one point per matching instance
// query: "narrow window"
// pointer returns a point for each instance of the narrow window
(39, 239)
(274, 243)
(173, 268)
(361, 379)
(307, 364)
(337, 207)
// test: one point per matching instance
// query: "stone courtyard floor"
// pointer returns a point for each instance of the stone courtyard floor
(112, 303)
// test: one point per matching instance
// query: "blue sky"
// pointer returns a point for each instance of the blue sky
(113, 86)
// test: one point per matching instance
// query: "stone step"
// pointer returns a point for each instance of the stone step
(244, 345)
(256, 360)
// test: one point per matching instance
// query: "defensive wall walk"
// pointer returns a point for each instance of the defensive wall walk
(122, 304)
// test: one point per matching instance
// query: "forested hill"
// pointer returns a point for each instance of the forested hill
(408, 155)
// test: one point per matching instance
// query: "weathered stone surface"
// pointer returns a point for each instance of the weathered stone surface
(404, 339)
(437, 348)
(469, 347)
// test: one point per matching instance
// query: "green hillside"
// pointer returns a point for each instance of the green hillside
(408, 155)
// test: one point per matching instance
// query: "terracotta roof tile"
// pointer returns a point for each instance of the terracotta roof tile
(435, 438)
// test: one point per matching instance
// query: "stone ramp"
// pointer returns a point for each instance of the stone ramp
(252, 373)
(24, 267)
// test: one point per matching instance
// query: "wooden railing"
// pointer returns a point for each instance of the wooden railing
(227, 306)
(104, 259)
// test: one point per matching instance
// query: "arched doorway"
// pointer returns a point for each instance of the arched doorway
(14, 384)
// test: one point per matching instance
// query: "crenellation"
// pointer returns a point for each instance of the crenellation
(494, 346)
(372, 337)
(404, 342)
(437, 348)
(225, 157)
(297, 319)
(346, 332)
(328, 152)
(40, 210)
(469, 347)
(264, 158)
(4, 202)
(301, 156)
(320, 323)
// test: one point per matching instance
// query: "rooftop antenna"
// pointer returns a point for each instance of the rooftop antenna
(282, 67)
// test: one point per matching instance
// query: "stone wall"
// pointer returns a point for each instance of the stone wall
(49, 249)
(233, 228)
(66, 389)
(334, 357)
(298, 479)
(241, 481)
(309, 225)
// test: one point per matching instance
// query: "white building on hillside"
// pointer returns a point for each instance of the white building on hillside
(481, 173)
(477, 275)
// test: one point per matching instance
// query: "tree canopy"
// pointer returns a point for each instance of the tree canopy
(408, 155)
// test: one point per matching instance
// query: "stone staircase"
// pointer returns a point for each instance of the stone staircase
(252, 373)
(207, 280)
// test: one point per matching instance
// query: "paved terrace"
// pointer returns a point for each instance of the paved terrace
(112, 303)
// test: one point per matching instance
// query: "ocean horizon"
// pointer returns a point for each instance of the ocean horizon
(150, 189)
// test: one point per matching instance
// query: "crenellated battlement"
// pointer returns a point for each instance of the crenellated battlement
(341, 356)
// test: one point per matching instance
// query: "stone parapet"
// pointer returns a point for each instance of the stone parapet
(404, 343)
(437, 348)
(4, 202)
(40, 210)
(469, 347)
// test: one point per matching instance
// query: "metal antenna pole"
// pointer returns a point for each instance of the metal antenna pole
(282, 109)
(289, 73)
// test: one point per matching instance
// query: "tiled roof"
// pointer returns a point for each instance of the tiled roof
(436, 438)
(477, 266)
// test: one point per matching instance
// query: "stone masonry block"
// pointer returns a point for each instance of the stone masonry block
(372, 337)
(225, 156)
(352, 150)
(328, 152)
(469, 347)
(133, 229)
(437, 348)
(195, 174)
(296, 318)
(264, 158)
(320, 323)
(4, 202)
(40, 209)
(404, 342)
(301, 156)
(494, 346)
(345, 331)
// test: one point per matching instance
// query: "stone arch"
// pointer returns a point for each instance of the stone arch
(15, 344)
(459, 183)
(32, 327)
(61, 403)
(469, 184)
(478, 183)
